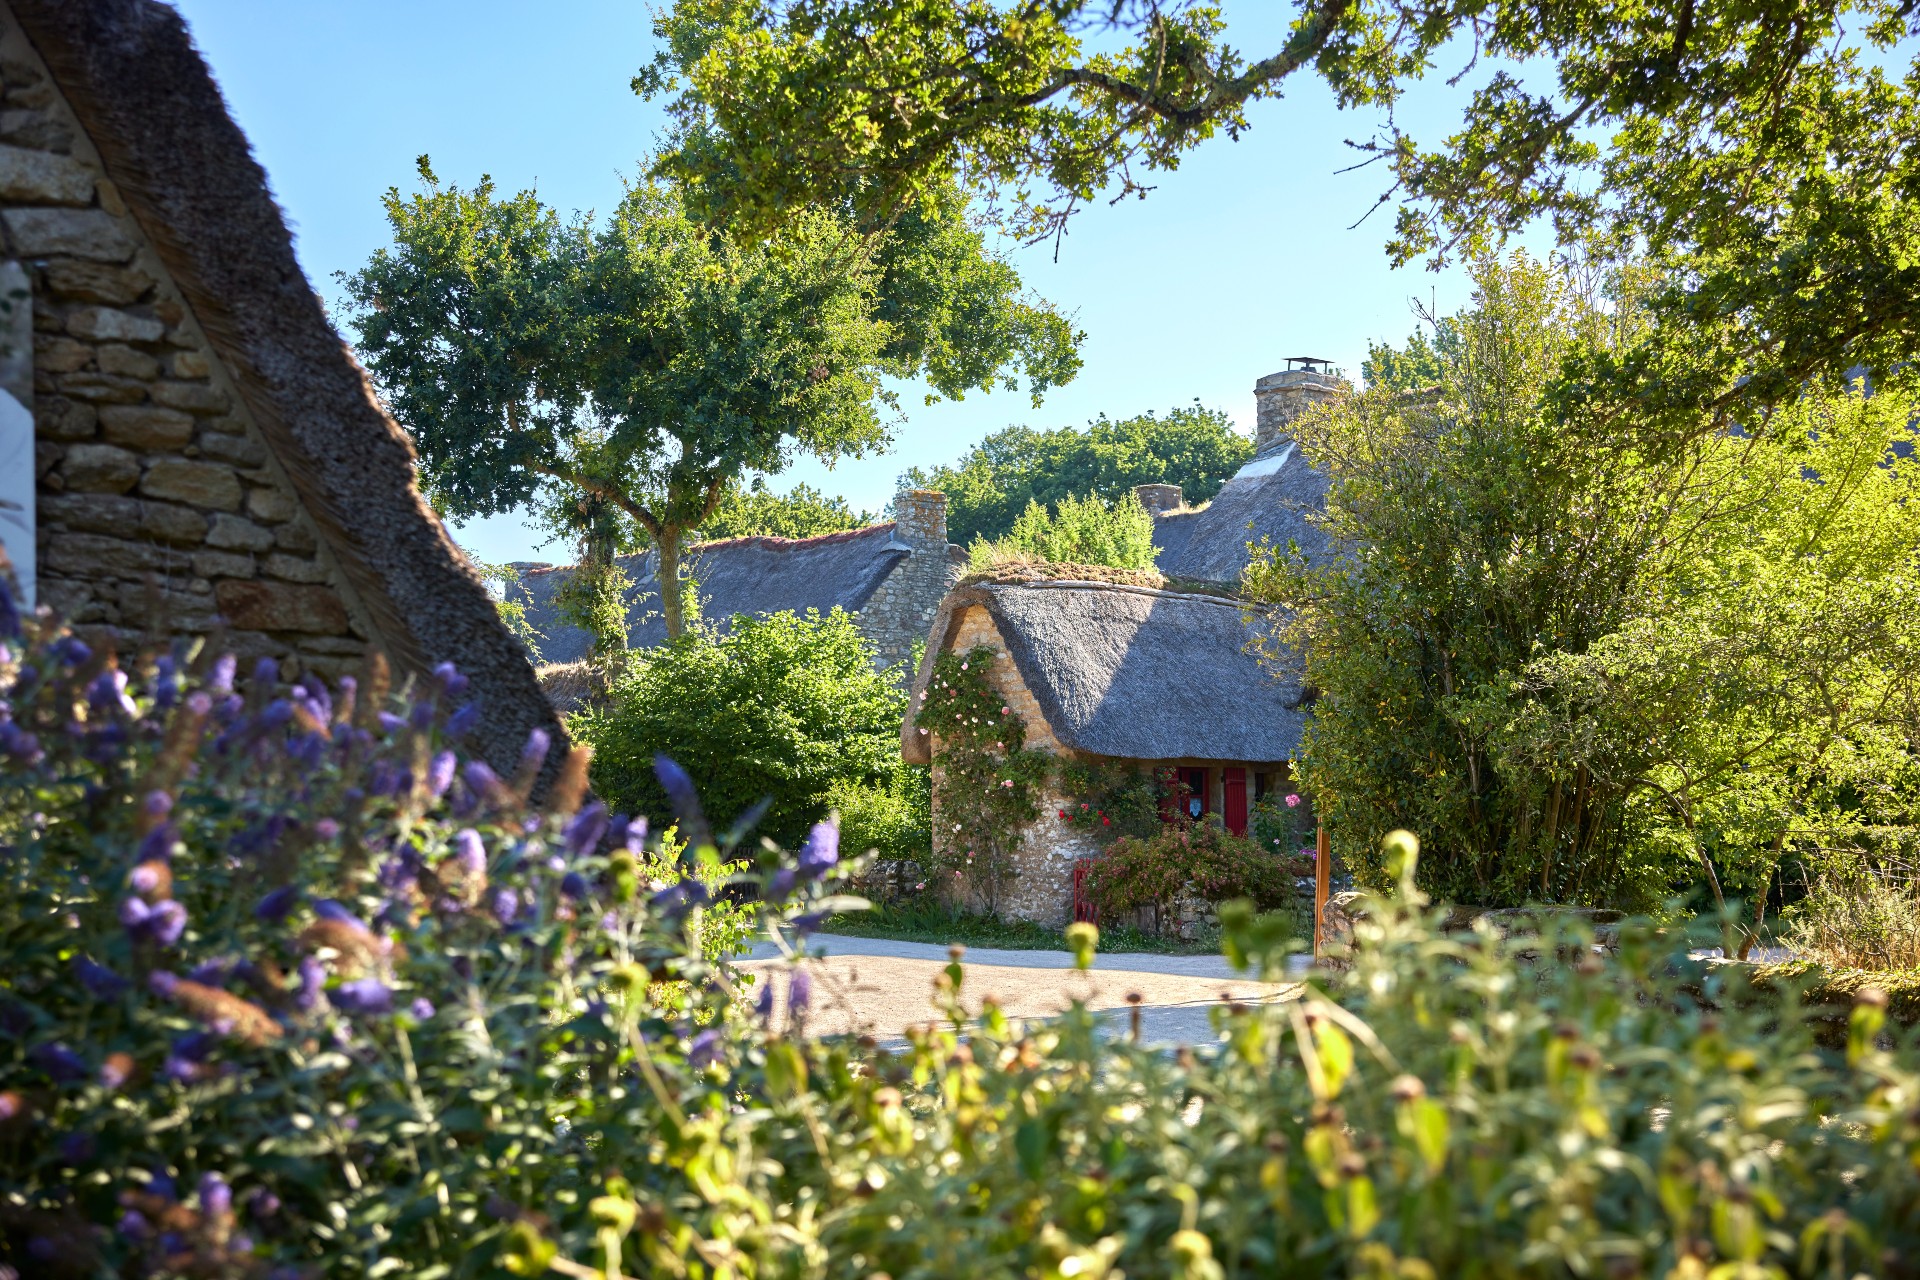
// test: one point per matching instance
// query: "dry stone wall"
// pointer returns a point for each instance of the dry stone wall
(160, 509)
(900, 610)
(1040, 887)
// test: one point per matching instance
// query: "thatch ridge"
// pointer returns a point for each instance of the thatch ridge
(1131, 672)
(150, 106)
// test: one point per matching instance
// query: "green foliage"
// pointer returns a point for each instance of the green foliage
(780, 708)
(1592, 674)
(594, 598)
(892, 817)
(1757, 153)
(1108, 800)
(801, 512)
(999, 478)
(1282, 823)
(1858, 916)
(548, 1091)
(1077, 531)
(512, 612)
(647, 362)
(989, 782)
(1151, 873)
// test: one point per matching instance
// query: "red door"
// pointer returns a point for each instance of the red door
(1233, 800)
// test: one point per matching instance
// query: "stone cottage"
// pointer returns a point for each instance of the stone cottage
(889, 576)
(206, 455)
(1108, 672)
(1269, 498)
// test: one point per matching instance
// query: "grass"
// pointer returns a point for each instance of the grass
(940, 925)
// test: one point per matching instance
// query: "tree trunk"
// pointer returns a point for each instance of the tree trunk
(672, 607)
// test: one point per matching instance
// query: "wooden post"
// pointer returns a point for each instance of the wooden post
(1322, 857)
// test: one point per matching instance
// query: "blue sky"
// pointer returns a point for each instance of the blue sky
(1239, 259)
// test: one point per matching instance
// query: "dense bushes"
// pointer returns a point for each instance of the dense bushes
(892, 819)
(779, 708)
(1086, 530)
(291, 990)
(1151, 872)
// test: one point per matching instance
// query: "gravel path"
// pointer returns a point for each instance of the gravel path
(878, 987)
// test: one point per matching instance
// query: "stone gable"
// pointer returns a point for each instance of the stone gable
(160, 508)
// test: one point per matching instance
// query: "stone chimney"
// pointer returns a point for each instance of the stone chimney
(920, 520)
(1281, 397)
(1158, 499)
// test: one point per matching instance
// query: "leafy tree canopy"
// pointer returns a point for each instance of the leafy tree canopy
(987, 490)
(639, 366)
(801, 512)
(1762, 151)
(1590, 673)
(1087, 530)
(782, 707)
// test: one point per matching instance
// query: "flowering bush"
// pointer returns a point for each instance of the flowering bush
(986, 782)
(1282, 823)
(289, 986)
(1216, 865)
(1109, 800)
(292, 990)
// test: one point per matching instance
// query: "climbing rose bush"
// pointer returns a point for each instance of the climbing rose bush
(294, 989)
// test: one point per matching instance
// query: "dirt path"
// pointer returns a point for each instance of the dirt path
(878, 987)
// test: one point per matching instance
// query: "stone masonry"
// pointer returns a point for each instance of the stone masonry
(1279, 398)
(160, 510)
(1040, 887)
(900, 610)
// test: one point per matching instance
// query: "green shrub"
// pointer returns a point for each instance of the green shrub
(1077, 531)
(893, 818)
(324, 1043)
(1852, 918)
(1150, 873)
(782, 708)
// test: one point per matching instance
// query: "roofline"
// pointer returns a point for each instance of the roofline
(764, 541)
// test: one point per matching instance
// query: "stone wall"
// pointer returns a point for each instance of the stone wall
(900, 611)
(160, 508)
(1279, 398)
(1158, 499)
(1041, 885)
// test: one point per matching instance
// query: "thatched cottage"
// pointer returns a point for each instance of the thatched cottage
(1108, 672)
(207, 456)
(889, 576)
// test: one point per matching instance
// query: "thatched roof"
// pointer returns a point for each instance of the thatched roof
(735, 575)
(1132, 672)
(183, 167)
(1271, 497)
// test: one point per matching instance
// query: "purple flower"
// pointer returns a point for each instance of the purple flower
(145, 878)
(763, 1004)
(115, 1071)
(452, 683)
(391, 723)
(686, 801)
(109, 689)
(99, 981)
(220, 679)
(809, 923)
(583, 833)
(440, 773)
(464, 721)
(420, 715)
(421, 1008)
(73, 651)
(60, 1062)
(278, 713)
(483, 781)
(216, 1197)
(313, 981)
(156, 804)
(265, 673)
(506, 905)
(134, 1226)
(821, 851)
(157, 844)
(332, 909)
(278, 903)
(469, 852)
(162, 983)
(705, 1049)
(573, 885)
(534, 754)
(799, 994)
(363, 996)
(162, 923)
(780, 884)
(263, 1204)
(214, 973)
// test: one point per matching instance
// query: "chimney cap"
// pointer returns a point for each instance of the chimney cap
(1312, 364)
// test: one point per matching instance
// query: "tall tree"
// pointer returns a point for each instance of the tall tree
(1765, 151)
(650, 361)
(988, 488)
